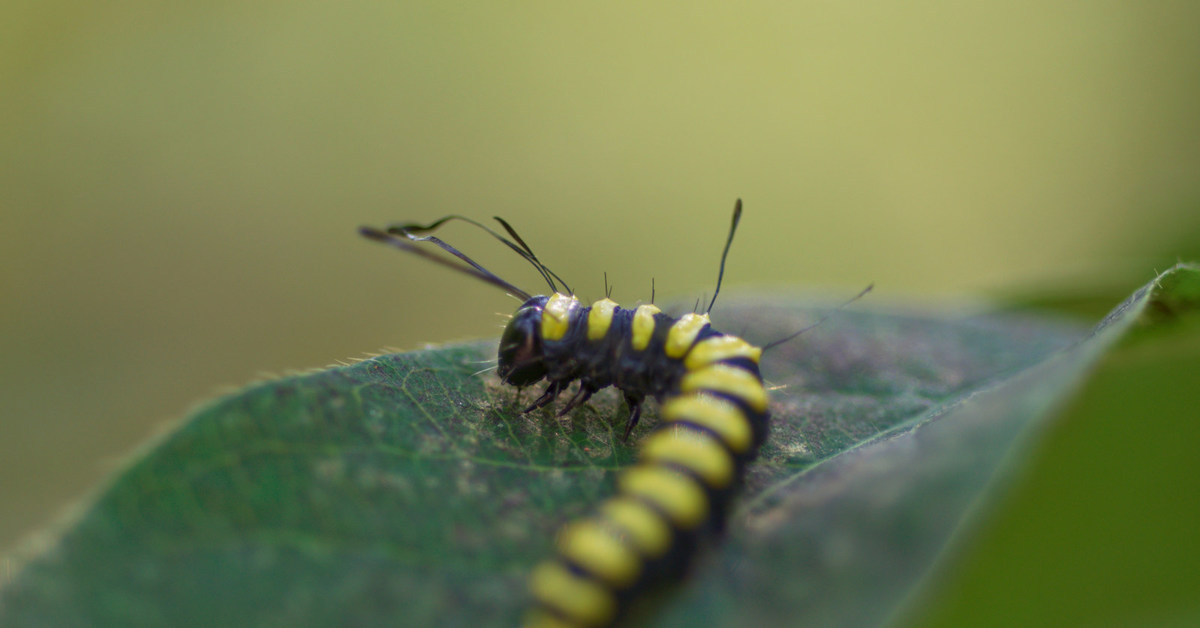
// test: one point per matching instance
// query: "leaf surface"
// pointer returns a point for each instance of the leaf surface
(407, 490)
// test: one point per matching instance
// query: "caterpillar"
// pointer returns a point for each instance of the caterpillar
(713, 419)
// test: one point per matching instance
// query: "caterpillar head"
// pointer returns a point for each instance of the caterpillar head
(521, 354)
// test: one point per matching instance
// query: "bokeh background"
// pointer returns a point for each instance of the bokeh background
(180, 182)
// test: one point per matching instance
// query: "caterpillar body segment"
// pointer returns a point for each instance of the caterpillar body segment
(714, 419)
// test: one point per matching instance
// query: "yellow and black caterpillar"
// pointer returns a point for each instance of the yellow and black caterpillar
(714, 418)
(713, 421)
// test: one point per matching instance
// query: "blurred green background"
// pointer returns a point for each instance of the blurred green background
(180, 183)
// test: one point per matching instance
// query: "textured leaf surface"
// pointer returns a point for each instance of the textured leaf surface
(405, 490)
(1100, 528)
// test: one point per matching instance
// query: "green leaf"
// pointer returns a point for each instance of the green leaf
(408, 490)
(1101, 527)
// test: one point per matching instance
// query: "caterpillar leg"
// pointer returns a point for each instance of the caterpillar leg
(581, 396)
(635, 413)
(548, 396)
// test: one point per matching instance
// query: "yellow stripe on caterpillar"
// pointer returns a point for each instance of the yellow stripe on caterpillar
(600, 318)
(645, 527)
(582, 599)
(697, 451)
(716, 414)
(718, 348)
(556, 316)
(730, 380)
(643, 326)
(683, 334)
(598, 550)
(680, 497)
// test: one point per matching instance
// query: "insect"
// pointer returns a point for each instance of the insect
(714, 418)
